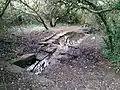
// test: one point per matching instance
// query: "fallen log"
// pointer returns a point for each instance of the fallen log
(48, 38)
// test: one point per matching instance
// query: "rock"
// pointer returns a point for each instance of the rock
(41, 55)
(49, 49)
(44, 43)
(13, 68)
(38, 67)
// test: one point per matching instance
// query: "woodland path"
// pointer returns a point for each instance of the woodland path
(88, 70)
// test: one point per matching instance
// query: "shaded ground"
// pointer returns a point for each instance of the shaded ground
(79, 68)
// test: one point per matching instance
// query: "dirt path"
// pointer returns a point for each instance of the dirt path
(67, 28)
(86, 71)
(85, 75)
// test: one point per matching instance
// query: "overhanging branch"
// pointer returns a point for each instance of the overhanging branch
(99, 11)
(6, 5)
(93, 8)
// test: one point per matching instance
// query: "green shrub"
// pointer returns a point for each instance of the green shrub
(113, 56)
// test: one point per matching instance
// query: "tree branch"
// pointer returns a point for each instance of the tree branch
(36, 13)
(99, 11)
(6, 5)
(94, 8)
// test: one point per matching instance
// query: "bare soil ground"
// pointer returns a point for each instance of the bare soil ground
(80, 68)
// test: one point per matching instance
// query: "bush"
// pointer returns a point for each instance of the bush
(113, 56)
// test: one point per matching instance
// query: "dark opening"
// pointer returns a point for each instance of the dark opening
(25, 63)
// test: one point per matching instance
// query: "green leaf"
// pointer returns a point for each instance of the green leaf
(117, 5)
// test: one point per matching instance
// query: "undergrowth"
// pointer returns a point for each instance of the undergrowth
(113, 56)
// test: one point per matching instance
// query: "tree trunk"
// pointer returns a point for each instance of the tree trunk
(103, 19)
(53, 22)
(43, 22)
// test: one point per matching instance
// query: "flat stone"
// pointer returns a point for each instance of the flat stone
(13, 68)
(49, 49)
(48, 38)
(41, 55)
(44, 43)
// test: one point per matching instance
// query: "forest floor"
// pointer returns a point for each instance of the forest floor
(79, 68)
